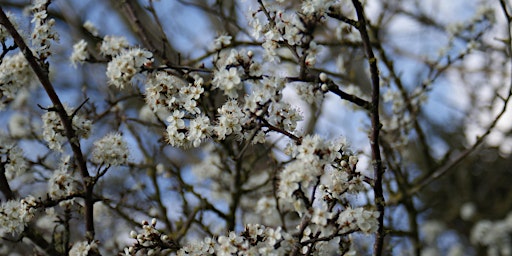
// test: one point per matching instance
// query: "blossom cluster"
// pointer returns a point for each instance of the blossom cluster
(288, 28)
(358, 219)
(12, 158)
(15, 74)
(235, 106)
(43, 32)
(62, 183)
(80, 53)
(111, 150)
(495, 235)
(261, 106)
(126, 65)
(150, 241)
(113, 45)
(54, 132)
(83, 248)
(256, 239)
(312, 156)
(167, 92)
(14, 215)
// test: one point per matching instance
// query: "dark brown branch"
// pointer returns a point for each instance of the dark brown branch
(349, 97)
(378, 169)
(342, 18)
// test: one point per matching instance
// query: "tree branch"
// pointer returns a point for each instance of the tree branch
(66, 119)
(378, 169)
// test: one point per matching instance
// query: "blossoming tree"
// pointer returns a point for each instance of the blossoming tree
(139, 144)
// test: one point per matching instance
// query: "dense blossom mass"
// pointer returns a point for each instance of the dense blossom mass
(252, 145)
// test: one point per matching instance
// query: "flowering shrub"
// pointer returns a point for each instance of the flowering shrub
(242, 147)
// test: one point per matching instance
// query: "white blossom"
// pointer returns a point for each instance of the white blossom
(83, 248)
(316, 7)
(89, 26)
(358, 218)
(230, 120)
(54, 132)
(228, 80)
(19, 125)
(80, 53)
(221, 41)
(265, 205)
(14, 215)
(16, 163)
(467, 211)
(15, 73)
(176, 129)
(43, 32)
(310, 93)
(126, 65)
(111, 150)
(199, 130)
(113, 45)
(62, 183)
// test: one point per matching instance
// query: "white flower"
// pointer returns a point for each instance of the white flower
(265, 205)
(199, 129)
(89, 26)
(228, 81)
(82, 248)
(320, 216)
(43, 33)
(162, 90)
(53, 130)
(221, 41)
(16, 163)
(224, 247)
(126, 65)
(62, 182)
(281, 114)
(111, 150)
(310, 93)
(318, 7)
(289, 181)
(467, 211)
(273, 235)
(230, 120)
(359, 218)
(14, 215)
(80, 53)
(176, 129)
(19, 125)
(112, 45)
(15, 73)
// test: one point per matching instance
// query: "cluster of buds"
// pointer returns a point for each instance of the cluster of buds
(149, 241)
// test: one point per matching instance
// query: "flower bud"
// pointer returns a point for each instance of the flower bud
(323, 77)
